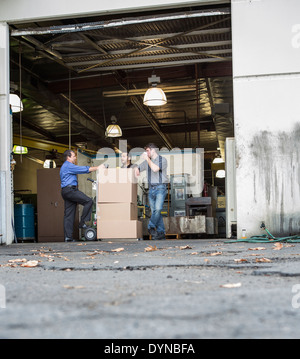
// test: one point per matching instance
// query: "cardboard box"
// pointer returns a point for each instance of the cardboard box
(119, 229)
(117, 185)
(116, 175)
(117, 211)
(117, 192)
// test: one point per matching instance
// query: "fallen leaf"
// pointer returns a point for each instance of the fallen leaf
(150, 248)
(216, 254)
(194, 253)
(18, 260)
(30, 264)
(117, 250)
(185, 247)
(256, 249)
(263, 260)
(73, 287)
(278, 246)
(241, 260)
(231, 285)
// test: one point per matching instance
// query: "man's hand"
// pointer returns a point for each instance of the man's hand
(144, 156)
(136, 172)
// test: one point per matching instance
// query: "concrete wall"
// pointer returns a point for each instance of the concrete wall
(266, 79)
(6, 233)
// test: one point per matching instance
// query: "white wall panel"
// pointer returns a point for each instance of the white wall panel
(26, 10)
(266, 68)
(266, 37)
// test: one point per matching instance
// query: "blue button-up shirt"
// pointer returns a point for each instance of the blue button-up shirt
(68, 173)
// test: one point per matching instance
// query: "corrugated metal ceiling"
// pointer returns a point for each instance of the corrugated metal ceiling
(64, 60)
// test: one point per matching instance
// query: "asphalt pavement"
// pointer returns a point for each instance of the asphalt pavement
(173, 289)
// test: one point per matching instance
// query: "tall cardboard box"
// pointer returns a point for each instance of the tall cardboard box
(117, 185)
(117, 204)
(125, 211)
(117, 192)
(109, 229)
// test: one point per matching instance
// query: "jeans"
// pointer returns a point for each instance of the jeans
(156, 198)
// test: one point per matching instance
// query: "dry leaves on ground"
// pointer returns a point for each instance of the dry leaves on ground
(256, 249)
(21, 262)
(241, 260)
(216, 254)
(278, 246)
(263, 260)
(66, 286)
(185, 247)
(231, 285)
(30, 264)
(118, 250)
(151, 248)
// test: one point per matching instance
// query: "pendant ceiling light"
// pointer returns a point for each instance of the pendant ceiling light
(113, 130)
(220, 174)
(20, 150)
(154, 95)
(15, 103)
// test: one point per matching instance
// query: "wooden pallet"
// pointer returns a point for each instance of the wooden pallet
(169, 236)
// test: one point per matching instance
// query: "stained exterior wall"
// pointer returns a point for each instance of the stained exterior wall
(266, 78)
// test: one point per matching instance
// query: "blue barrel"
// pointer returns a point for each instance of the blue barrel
(24, 222)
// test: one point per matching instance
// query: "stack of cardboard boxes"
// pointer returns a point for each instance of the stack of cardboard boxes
(117, 204)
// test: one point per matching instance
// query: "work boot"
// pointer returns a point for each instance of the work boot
(153, 233)
(68, 239)
(161, 236)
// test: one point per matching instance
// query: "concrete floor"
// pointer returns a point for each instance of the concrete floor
(87, 290)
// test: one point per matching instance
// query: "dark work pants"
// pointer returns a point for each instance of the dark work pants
(72, 196)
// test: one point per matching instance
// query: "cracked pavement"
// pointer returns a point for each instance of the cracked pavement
(210, 289)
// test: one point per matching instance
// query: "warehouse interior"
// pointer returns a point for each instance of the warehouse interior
(76, 75)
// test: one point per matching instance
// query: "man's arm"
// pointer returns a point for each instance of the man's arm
(93, 169)
(153, 166)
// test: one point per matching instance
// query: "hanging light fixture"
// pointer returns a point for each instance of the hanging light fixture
(154, 95)
(20, 150)
(113, 130)
(218, 160)
(49, 163)
(220, 174)
(15, 103)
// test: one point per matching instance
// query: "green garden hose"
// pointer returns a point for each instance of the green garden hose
(265, 238)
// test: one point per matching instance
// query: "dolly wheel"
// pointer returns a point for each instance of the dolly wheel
(90, 234)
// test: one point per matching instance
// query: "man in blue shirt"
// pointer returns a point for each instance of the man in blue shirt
(72, 196)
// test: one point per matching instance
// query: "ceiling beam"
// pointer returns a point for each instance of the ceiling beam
(59, 29)
(147, 114)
